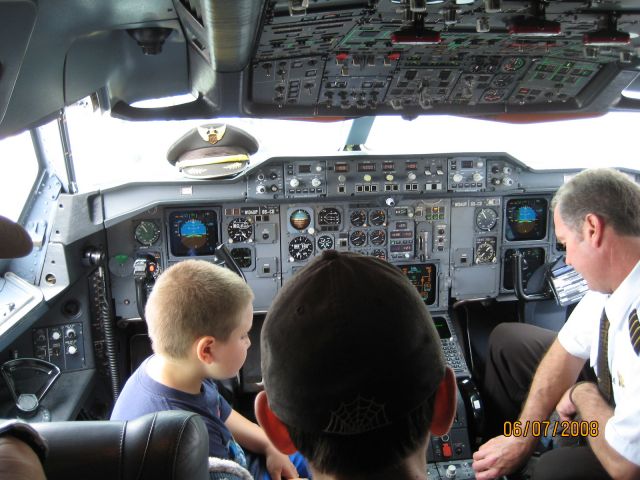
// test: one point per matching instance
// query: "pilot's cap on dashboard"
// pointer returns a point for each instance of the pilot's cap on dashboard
(14, 240)
(212, 151)
(217, 139)
(348, 346)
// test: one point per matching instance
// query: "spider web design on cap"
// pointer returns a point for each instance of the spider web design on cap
(359, 416)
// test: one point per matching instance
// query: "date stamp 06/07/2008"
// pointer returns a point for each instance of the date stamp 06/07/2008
(566, 428)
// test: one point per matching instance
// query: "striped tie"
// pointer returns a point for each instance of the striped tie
(604, 374)
(634, 331)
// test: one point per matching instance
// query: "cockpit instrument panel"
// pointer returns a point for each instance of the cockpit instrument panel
(193, 233)
(526, 219)
(424, 277)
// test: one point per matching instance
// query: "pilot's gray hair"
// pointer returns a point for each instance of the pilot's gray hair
(605, 192)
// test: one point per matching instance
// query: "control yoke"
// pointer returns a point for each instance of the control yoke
(29, 380)
(516, 263)
(562, 282)
(224, 259)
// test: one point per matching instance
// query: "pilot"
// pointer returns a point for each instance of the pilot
(353, 371)
(596, 217)
(22, 449)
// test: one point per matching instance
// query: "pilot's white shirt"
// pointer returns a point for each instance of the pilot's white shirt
(579, 337)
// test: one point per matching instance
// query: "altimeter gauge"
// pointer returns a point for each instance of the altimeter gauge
(485, 250)
(300, 248)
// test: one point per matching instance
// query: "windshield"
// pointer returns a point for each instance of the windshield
(138, 149)
(18, 170)
(579, 143)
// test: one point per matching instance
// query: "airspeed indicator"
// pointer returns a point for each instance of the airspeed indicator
(147, 233)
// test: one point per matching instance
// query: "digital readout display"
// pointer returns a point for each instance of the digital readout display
(442, 327)
(366, 167)
(526, 219)
(193, 233)
(424, 278)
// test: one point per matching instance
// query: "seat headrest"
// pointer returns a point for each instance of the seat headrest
(170, 445)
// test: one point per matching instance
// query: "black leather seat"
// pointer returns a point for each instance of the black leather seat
(170, 445)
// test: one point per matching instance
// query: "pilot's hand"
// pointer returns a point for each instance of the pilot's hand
(565, 408)
(501, 455)
(279, 466)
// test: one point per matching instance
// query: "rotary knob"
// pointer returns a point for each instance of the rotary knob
(458, 178)
(294, 182)
(72, 350)
(316, 182)
(451, 471)
(411, 176)
(342, 178)
(477, 177)
(367, 178)
(389, 177)
(55, 335)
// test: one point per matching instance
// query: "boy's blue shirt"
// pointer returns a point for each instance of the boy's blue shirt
(142, 394)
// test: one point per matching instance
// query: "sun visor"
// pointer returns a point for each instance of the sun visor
(212, 151)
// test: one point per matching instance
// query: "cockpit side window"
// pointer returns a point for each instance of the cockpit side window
(18, 172)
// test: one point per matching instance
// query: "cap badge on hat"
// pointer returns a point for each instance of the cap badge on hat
(212, 134)
(360, 416)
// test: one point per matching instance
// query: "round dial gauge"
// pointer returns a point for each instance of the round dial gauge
(379, 253)
(377, 217)
(486, 219)
(485, 252)
(325, 242)
(377, 237)
(329, 216)
(358, 218)
(240, 229)
(300, 248)
(242, 257)
(300, 219)
(147, 233)
(358, 238)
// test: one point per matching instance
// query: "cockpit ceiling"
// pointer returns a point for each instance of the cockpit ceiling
(298, 58)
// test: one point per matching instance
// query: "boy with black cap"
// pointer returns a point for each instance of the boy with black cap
(353, 371)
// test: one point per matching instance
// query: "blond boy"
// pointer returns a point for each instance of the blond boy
(199, 316)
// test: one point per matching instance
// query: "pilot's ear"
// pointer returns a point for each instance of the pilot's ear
(593, 229)
(444, 408)
(272, 426)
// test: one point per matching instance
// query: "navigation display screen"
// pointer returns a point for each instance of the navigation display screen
(424, 277)
(526, 219)
(442, 327)
(193, 233)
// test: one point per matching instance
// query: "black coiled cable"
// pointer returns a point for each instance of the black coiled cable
(104, 311)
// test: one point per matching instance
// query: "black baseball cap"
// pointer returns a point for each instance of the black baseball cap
(348, 346)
